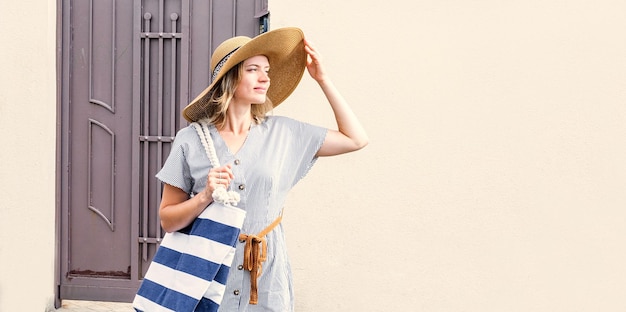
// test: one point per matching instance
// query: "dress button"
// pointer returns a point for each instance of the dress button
(237, 161)
(242, 187)
(236, 292)
(240, 267)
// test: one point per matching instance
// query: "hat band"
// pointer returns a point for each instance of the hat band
(221, 63)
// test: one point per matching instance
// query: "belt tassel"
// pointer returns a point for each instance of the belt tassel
(255, 253)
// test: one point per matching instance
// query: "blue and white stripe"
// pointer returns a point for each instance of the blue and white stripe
(190, 268)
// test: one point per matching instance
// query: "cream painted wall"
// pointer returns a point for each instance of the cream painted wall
(495, 177)
(493, 181)
(27, 156)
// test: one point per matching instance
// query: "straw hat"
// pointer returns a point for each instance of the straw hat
(284, 49)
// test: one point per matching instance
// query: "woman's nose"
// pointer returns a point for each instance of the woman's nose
(264, 76)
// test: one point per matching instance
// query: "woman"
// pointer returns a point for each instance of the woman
(263, 156)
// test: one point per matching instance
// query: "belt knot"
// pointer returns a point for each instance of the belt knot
(254, 254)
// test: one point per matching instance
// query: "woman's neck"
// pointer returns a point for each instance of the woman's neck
(238, 120)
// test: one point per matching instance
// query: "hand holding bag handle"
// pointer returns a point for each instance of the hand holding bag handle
(219, 194)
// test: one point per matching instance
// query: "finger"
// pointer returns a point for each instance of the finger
(223, 181)
(310, 51)
(218, 183)
(228, 172)
(223, 176)
(309, 44)
(221, 172)
(314, 58)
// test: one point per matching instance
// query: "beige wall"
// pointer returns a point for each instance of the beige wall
(495, 178)
(27, 156)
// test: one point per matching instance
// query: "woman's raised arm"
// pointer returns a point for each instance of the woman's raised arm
(350, 134)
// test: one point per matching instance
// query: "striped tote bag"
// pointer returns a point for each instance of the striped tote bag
(190, 268)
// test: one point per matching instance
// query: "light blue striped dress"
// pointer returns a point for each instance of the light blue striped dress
(275, 156)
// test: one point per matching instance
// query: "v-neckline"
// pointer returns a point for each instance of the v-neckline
(223, 141)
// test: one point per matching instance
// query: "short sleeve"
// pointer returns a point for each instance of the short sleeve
(305, 141)
(176, 170)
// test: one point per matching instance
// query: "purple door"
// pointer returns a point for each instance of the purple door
(127, 69)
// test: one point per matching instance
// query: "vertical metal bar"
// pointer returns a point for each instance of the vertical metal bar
(136, 143)
(185, 86)
(234, 26)
(211, 37)
(146, 131)
(160, 92)
(174, 18)
(161, 14)
(159, 87)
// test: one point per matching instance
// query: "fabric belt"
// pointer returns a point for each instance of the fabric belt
(255, 253)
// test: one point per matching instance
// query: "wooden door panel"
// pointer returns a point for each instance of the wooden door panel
(96, 246)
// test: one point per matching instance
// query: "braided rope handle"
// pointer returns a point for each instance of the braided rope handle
(202, 129)
(220, 194)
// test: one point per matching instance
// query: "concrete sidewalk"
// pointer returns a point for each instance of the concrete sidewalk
(94, 306)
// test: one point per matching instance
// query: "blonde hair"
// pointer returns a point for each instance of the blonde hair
(218, 99)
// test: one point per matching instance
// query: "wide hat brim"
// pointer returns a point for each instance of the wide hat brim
(284, 49)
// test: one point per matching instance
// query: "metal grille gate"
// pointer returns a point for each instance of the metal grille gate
(127, 70)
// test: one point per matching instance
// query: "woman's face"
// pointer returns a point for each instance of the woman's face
(252, 87)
